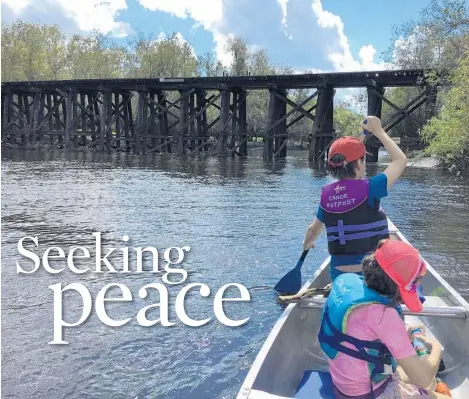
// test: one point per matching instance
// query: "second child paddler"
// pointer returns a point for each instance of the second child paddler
(350, 207)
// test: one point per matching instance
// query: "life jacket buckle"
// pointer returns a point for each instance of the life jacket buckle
(388, 369)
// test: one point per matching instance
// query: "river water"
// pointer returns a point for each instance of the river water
(244, 220)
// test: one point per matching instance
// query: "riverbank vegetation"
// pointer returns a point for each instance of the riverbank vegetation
(439, 40)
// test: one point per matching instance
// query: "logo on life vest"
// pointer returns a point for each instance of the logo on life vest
(339, 188)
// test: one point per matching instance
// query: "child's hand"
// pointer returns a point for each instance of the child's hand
(308, 245)
(414, 326)
(372, 125)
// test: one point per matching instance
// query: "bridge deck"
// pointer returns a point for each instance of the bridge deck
(393, 78)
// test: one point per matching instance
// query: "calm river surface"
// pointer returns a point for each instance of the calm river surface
(244, 220)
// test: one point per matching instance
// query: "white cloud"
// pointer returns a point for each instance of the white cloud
(367, 54)
(97, 14)
(17, 6)
(86, 14)
(222, 55)
(206, 12)
(340, 54)
(283, 6)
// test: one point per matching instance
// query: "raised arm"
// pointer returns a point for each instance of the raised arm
(398, 158)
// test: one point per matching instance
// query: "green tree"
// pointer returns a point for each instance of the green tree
(163, 57)
(208, 65)
(32, 52)
(448, 132)
(239, 51)
(437, 40)
(94, 57)
(346, 122)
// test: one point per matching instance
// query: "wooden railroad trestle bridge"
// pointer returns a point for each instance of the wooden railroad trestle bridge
(144, 116)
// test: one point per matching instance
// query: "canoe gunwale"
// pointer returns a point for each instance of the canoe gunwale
(254, 370)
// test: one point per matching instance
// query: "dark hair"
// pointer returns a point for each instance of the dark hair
(376, 279)
(347, 170)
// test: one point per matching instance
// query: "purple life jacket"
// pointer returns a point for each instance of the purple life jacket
(352, 225)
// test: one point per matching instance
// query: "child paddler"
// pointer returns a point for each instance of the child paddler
(362, 333)
(350, 207)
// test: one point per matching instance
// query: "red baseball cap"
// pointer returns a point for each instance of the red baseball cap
(350, 147)
(404, 265)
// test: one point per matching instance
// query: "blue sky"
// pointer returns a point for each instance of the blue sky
(325, 35)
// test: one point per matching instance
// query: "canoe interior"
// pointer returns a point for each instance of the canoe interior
(292, 347)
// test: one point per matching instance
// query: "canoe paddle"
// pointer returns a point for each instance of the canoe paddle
(291, 282)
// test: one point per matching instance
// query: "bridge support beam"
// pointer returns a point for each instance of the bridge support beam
(224, 121)
(242, 125)
(430, 102)
(280, 131)
(239, 138)
(202, 128)
(234, 122)
(271, 117)
(183, 126)
(323, 129)
(375, 106)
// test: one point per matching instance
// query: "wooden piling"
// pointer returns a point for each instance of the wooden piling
(202, 131)
(68, 118)
(375, 105)
(35, 117)
(192, 144)
(50, 118)
(132, 126)
(139, 122)
(234, 122)
(153, 142)
(430, 103)
(182, 127)
(127, 133)
(280, 131)
(242, 125)
(41, 115)
(224, 120)
(117, 112)
(6, 104)
(163, 123)
(323, 123)
(74, 131)
(271, 117)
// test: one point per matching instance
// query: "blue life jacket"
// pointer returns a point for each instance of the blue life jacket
(352, 225)
(348, 293)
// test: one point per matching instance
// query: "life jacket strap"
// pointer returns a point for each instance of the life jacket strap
(343, 238)
(357, 227)
(335, 341)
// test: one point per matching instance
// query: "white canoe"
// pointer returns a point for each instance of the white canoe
(291, 363)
